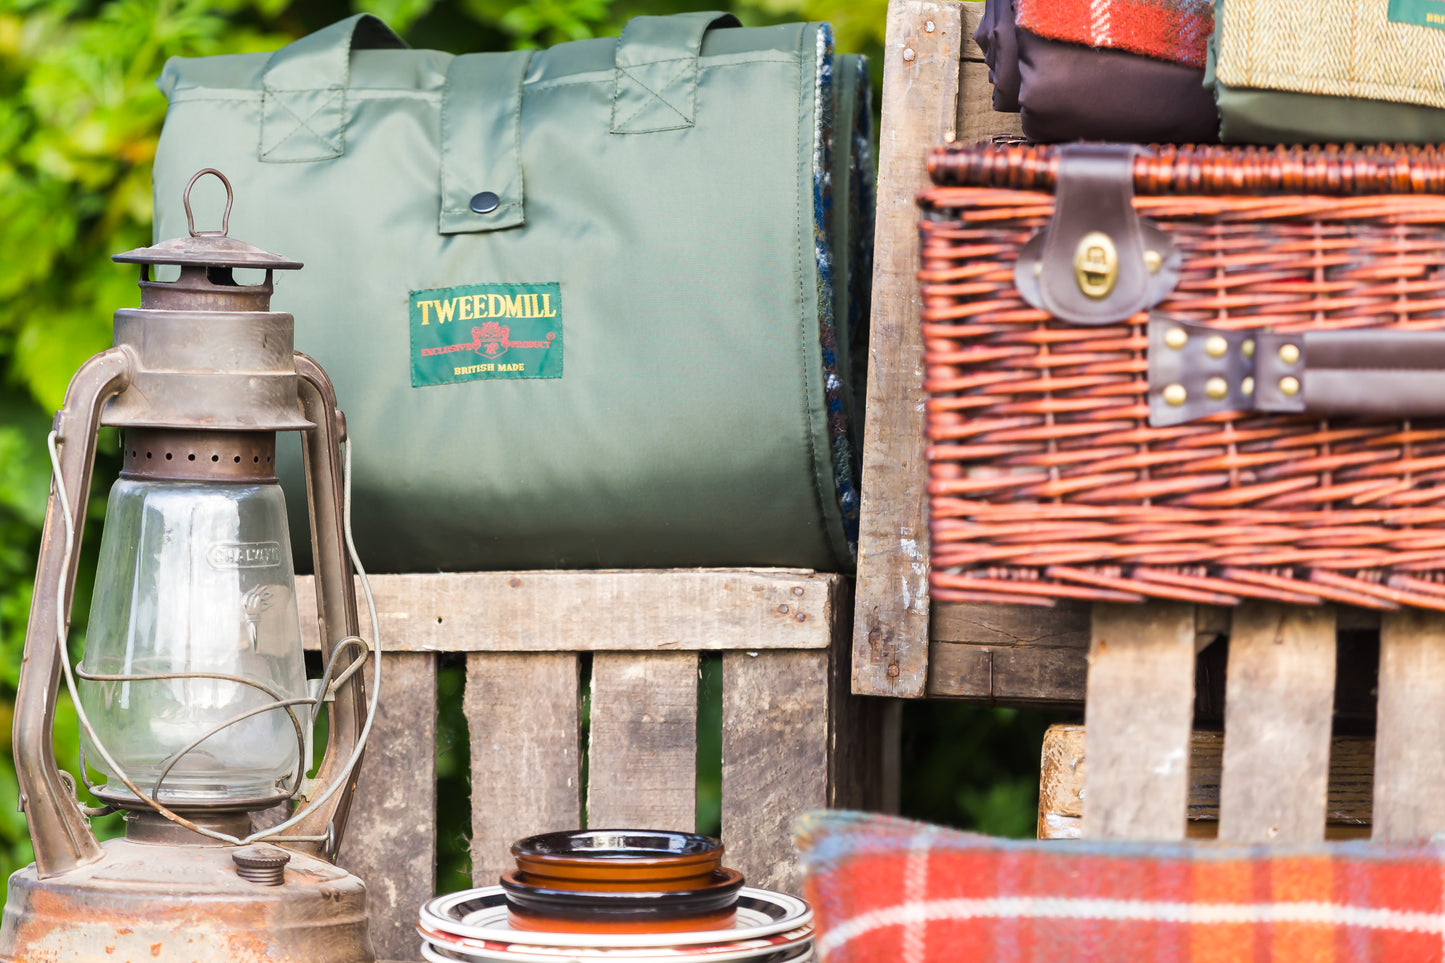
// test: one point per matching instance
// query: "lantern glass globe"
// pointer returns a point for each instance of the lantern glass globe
(195, 580)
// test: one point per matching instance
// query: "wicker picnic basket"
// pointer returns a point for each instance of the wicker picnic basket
(1265, 420)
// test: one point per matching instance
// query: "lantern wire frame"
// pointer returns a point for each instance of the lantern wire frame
(326, 687)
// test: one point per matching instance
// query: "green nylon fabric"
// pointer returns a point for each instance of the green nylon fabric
(689, 426)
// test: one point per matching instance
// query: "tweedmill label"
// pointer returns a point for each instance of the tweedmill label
(476, 332)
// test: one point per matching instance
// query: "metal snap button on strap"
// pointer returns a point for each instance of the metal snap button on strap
(485, 203)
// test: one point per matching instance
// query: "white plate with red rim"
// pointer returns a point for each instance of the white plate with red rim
(436, 954)
(481, 915)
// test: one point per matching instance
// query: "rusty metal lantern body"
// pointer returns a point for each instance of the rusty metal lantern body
(202, 365)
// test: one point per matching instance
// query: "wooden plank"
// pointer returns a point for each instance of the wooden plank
(1409, 751)
(642, 748)
(1064, 768)
(1278, 709)
(390, 838)
(526, 770)
(920, 95)
(1138, 711)
(775, 726)
(977, 120)
(667, 610)
(1023, 675)
(1064, 626)
(863, 733)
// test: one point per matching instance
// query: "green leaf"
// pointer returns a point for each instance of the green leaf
(24, 460)
(52, 346)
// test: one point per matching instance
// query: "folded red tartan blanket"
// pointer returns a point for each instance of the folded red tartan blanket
(887, 889)
(1176, 30)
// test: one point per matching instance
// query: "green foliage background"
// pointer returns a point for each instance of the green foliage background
(79, 119)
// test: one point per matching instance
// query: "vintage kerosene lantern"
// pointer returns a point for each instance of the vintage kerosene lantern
(192, 689)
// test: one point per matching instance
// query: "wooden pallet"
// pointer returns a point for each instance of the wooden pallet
(1064, 772)
(792, 736)
(1276, 759)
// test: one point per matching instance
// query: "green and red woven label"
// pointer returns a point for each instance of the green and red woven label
(1426, 13)
(479, 331)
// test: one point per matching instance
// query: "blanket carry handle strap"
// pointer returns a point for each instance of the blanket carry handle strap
(303, 100)
(481, 155)
(655, 84)
(654, 89)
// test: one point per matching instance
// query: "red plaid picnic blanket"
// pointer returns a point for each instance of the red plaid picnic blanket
(1176, 30)
(886, 889)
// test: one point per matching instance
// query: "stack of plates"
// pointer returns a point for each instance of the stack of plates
(472, 926)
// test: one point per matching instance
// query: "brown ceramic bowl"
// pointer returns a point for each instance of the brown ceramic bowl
(711, 905)
(596, 860)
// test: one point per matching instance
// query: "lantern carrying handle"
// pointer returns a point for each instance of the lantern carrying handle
(225, 216)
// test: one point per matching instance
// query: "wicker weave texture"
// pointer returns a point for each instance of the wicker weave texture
(1046, 480)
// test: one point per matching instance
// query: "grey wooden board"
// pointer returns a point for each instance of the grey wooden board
(1064, 768)
(642, 744)
(775, 727)
(1409, 746)
(1065, 625)
(526, 777)
(1009, 653)
(663, 610)
(390, 840)
(920, 96)
(1277, 715)
(977, 120)
(1137, 714)
(1013, 674)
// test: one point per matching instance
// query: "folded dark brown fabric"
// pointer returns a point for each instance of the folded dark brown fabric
(1068, 91)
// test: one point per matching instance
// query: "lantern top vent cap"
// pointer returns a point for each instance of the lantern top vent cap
(209, 248)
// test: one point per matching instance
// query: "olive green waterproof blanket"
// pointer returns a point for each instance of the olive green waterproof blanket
(590, 306)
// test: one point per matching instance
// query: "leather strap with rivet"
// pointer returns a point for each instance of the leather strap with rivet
(1196, 370)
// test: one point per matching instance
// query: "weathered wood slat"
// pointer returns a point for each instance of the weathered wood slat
(1064, 626)
(863, 733)
(920, 94)
(1409, 751)
(1277, 715)
(1064, 771)
(977, 120)
(390, 838)
(676, 610)
(1015, 674)
(642, 747)
(774, 759)
(1009, 653)
(1138, 715)
(526, 776)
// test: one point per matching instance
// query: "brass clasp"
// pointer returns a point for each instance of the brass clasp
(1096, 264)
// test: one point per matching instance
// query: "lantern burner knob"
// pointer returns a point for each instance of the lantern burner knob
(262, 864)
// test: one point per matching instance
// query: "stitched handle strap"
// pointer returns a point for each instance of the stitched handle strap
(1197, 370)
(481, 162)
(303, 100)
(655, 84)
